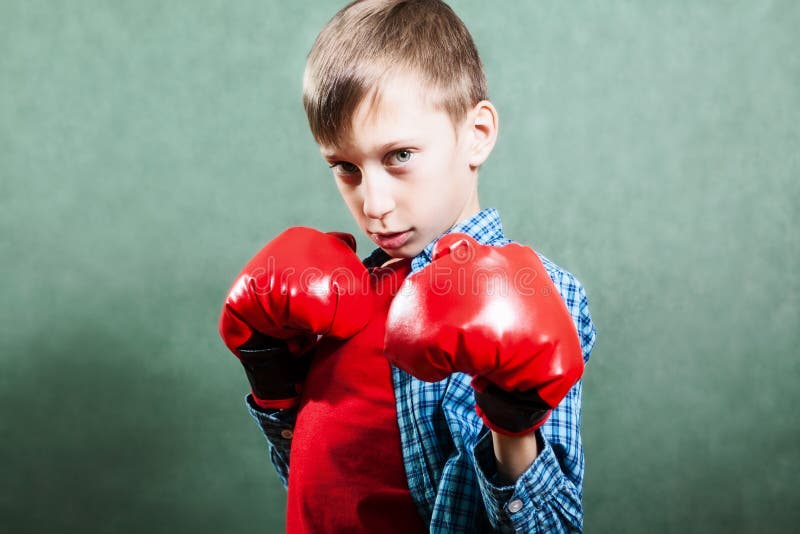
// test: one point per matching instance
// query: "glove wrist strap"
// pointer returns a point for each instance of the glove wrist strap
(514, 413)
(274, 372)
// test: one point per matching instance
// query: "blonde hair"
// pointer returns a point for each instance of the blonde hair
(368, 40)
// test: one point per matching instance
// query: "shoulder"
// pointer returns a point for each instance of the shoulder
(571, 289)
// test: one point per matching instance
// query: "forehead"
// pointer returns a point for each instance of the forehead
(400, 108)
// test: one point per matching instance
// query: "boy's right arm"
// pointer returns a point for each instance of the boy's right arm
(302, 285)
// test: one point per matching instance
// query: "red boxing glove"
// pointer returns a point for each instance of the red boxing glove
(301, 285)
(493, 313)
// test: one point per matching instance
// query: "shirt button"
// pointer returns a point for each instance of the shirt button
(515, 506)
(286, 434)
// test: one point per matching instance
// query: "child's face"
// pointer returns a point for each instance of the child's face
(404, 173)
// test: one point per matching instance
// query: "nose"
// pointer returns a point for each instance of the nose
(378, 198)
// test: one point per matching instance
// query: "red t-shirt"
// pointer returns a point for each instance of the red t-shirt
(346, 466)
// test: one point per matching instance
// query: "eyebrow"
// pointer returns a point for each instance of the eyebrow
(399, 143)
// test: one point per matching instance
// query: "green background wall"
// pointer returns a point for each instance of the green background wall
(148, 149)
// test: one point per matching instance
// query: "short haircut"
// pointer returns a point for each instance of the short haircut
(368, 41)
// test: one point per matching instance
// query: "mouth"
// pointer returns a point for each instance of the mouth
(390, 240)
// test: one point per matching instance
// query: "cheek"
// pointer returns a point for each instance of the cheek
(352, 198)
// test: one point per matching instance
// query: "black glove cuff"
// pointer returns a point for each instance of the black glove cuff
(273, 371)
(515, 411)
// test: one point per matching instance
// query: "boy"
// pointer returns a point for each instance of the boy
(435, 385)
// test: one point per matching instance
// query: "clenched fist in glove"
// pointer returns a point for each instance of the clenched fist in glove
(302, 285)
(493, 313)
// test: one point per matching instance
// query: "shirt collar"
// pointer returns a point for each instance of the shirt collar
(485, 227)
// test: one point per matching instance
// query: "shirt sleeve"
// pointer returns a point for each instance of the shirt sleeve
(547, 497)
(543, 499)
(277, 427)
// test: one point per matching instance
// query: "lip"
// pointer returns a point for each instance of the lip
(390, 240)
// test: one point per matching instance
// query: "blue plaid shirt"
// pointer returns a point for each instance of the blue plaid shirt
(447, 450)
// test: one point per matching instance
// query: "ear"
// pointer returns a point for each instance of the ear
(483, 124)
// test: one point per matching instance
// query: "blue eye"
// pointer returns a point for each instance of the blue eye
(400, 157)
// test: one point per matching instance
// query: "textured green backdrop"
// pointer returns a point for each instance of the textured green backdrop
(149, 148)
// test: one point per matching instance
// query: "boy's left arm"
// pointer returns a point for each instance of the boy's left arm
(547, 495)
(525, 348)
(514, 454)
(536, 480)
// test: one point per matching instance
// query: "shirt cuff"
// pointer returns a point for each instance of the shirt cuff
(277, 425)
(517, 504)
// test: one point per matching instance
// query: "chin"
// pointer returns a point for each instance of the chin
(406, 251)
(400, 253)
